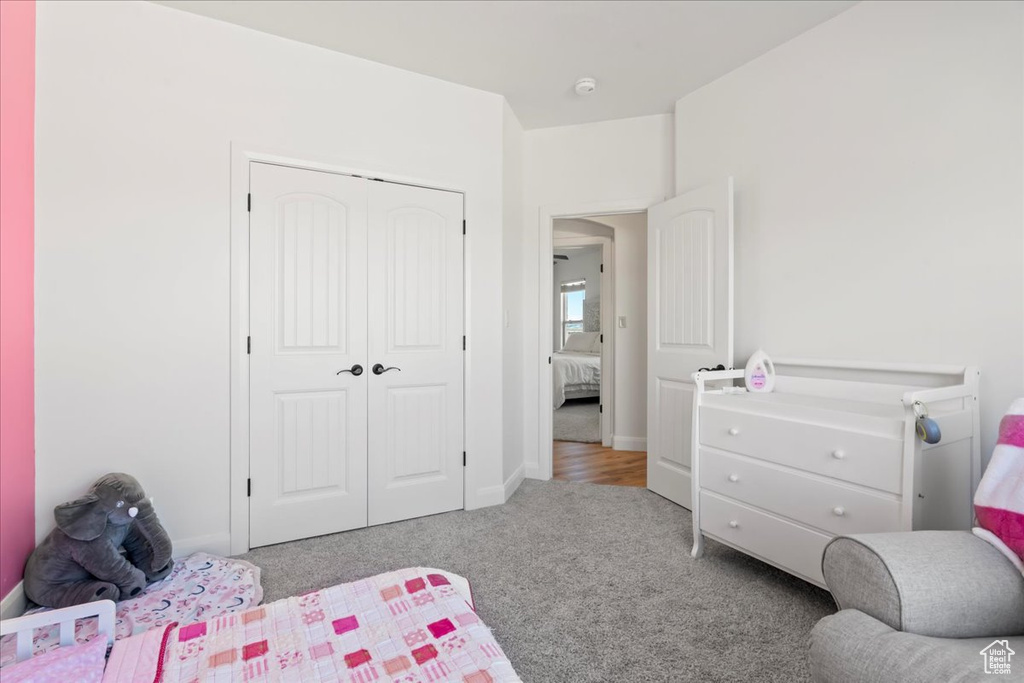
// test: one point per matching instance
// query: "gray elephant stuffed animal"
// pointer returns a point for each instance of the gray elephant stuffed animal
(81, 560)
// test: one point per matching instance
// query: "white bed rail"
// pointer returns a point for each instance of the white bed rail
(25, 626)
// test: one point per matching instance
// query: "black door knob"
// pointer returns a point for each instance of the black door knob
(355, 370)
(379, 369)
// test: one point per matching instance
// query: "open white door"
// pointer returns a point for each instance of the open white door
(690, 322)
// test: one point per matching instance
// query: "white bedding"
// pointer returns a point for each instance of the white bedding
(573, 370)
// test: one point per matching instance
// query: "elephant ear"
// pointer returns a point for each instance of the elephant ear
(84, 519)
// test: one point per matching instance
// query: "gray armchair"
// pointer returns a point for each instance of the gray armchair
(917, 606)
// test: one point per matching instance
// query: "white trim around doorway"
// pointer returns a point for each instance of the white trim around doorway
(548, 214)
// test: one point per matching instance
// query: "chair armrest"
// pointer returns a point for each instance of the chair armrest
(851, 647)
(947, 584)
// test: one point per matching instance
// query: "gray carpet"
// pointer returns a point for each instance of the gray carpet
(578, 420)
(581, 582)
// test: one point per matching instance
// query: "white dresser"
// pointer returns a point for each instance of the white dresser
(831, 451)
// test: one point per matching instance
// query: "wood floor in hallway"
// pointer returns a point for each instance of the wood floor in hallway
(592, 463)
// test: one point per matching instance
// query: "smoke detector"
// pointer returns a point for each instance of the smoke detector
(585, 86)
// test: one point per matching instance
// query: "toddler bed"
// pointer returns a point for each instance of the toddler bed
(414, 625)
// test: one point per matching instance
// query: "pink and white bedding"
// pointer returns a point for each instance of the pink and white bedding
(411, 626)
(571, 371)
(999, 500)
(81, 664)
(199, 584)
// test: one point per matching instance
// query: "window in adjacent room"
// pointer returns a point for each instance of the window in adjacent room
(573, 295)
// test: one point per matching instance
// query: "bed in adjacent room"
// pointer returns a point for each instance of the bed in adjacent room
(576, 369)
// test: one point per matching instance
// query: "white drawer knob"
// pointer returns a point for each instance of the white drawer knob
(839, 511)
(734, 524)
(838, 454)
(733, 477)
(733, 431)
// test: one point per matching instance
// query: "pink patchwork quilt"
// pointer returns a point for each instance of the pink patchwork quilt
(414, 625)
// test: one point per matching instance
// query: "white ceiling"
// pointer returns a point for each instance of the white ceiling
(645, 55)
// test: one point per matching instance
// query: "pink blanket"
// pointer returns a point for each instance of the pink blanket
(412, 625)
(999, 501)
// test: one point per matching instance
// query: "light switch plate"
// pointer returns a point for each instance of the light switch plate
(622, 321)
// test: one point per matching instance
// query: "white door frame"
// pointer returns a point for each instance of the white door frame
(607, 326)
(548, 214)
(242, 155)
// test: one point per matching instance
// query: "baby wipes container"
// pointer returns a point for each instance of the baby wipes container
(760, 372)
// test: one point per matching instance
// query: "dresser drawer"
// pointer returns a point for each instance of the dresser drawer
(866, 459)
(775, 540)
(835, 508)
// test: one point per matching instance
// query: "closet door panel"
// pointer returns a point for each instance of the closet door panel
(416, 327)
(308, 432)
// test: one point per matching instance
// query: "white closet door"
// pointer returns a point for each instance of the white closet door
(308, 323)
(416, 327)
(690, 323)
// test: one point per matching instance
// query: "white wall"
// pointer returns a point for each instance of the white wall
(878, 167)
(584, 264)
(579, 168)
(512, 273)
(137, 105)
(630, 429)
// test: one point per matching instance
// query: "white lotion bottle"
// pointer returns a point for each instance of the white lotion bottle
(760, 373)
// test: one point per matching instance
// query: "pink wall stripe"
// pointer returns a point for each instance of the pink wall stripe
(17, 391)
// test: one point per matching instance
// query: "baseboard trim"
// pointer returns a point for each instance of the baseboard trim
(513, 482)
(215, 544)
(531, 471)
(14, 603)
(488, 496)
(629, 443)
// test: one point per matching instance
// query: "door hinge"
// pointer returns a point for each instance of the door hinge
(463, 342)
(600, 408)
(463, 226)
(463, 458)
(248, 345)
(602, 339)
(248, 488)
(248, 202)
(549, 360)
(602, 267)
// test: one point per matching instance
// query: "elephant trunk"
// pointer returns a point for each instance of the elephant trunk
(150, 528)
